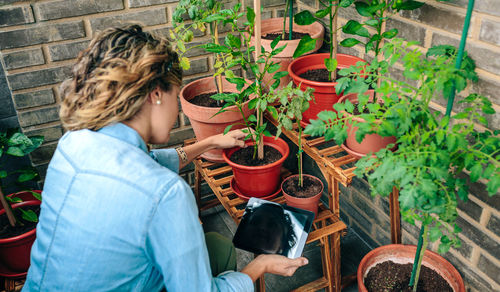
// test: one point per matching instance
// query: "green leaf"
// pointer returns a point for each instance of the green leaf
(435, 233)
(273, 68)
(321, 13)
(226, 130)
(362, 8)
(493, 185)
(451, 142)
(215, 48)
(15, 151)
(275, 42)
(342, 84)
(306, 44)
(280, 74)
(250, 15)
(29, 215)
(3, 174)
(440, 136)
(184, 63)
(410, 5)
(349, 42)
(354, 27)
(232, 41)
(331, 64)
(372, 23)
(19, 139)
(304, 18)
(345, 3)
(476, 172)
(213, 17)
(390, 33)
(273, 112)
(27, 176)
(252, 103)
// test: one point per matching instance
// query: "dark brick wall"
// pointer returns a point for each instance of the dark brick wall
(478, 259)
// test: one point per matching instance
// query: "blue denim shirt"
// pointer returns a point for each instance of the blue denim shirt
(117, 218)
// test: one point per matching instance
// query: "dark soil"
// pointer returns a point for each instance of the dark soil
(205, 100)
(391, 277)
(7, 231)
(295, 35)
(244, 156)
(320, 75)
(309, 188)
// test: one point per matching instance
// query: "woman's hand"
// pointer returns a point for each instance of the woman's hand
(274, 264)
(231, 139)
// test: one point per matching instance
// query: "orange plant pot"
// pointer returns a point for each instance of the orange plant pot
(275, 25)
(324, 92)
(203, 119)
(404, 254)
(310, 204)
(258, 181)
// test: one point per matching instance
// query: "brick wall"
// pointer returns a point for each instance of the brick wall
(39, 41)
(478, 260)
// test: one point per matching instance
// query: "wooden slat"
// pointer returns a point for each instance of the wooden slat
(331, 150)
(330, 229)
(313, 286)
(316, 141)
(342, 160)
(219, 171)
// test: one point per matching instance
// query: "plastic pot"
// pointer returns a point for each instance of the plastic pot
(324, 92)
(258, 181)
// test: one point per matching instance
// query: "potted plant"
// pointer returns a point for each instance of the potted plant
(309, 36)
(432, 148)
(19, 210)
(195, 97)
(256, 170)
(301, 190)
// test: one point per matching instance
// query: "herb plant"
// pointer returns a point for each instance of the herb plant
(237, 53)
(432, 149)
(293, 102)
(14, 143)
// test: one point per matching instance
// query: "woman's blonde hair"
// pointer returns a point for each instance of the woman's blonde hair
(114, 75)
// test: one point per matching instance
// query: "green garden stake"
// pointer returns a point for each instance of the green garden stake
(461, 49)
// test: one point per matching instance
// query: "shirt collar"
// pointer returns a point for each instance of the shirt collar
(124, 133)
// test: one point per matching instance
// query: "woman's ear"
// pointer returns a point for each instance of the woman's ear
(154, 96)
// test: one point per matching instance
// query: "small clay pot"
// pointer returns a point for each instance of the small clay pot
(309, 203)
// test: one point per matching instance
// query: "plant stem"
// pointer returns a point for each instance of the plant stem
(333, 37)
(284, 19)
(8, 209)
(419, 255)
(290, 19)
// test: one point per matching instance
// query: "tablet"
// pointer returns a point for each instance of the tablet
(271, 228)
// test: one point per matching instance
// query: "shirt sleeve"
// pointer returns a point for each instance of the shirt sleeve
(175, 243)
(167, 158)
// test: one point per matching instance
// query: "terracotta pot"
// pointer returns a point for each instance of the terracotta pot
(372, 142)
(15, 251)
(258, 181)
(404, 254)
(310, 203)
(202, 119)
(324, 92)
(275, 25)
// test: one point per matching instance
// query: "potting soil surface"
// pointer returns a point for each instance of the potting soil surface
(310, 187)
(295, 35)
(319, 75)
(205, 100)
(7, 231)
(244, 156)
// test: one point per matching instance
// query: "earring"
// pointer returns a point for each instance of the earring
(158, 101)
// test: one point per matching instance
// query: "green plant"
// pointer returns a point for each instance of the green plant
(377, 12)
(14, 143)
(433, 149)
(293, 102)
(237, 53)
(330, 9)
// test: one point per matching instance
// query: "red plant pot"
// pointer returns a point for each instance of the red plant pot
(310, 203)
(258, 181)
(15, 251)
(24, 196)
(203, 119)
(404, 254)
(324, 92)
(372, 142)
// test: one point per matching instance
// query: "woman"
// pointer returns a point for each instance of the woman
(114, 215)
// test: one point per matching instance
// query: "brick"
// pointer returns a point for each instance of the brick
(478, 190)
(39, 116)
(479, 237)
(310, 3)
(165, 32)
(67, 51)
(141, 3)
(465, 249)
(413, 230)
(43, 154)
(197, 51)
(185, 120)
(39, 78)
(63, 9)
(485, 58)
(50, 134)
(494, 224)
(147, 17)
(489, 268)
(41, 34)
(488, 88)
(7, 109)
(179, 135)
(489, 32)
(21, 59)
(487, 6)
(32, 99)
(280, 12)
(197, 66)
(430, 15)
(16, 15)
(266, 3)
(9, 122)
(470, 208)
(356, 227)
(407, 30)
(382, 236)
(350, 13)
(357, 216)
(468, 272)
(6, 2)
